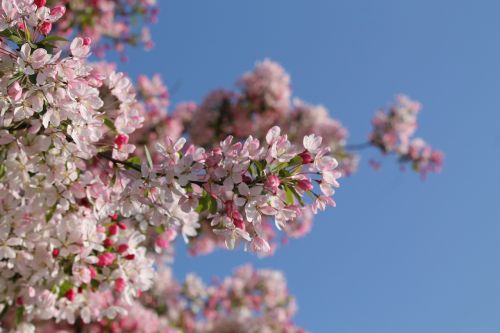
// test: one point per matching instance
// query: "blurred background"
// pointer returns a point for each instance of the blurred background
(398, 254)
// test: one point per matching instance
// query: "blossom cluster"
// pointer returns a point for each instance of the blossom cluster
(82, 215)
(392, 133)
(265, 100)
(249, 301)
(112, 24)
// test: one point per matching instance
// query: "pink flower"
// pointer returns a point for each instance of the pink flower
(272, 183)
(15, 91)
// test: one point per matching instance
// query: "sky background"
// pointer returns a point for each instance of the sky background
(398, 254)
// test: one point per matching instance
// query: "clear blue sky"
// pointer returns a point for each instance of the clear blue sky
(398, 254)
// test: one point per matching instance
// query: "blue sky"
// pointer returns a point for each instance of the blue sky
(398, 254)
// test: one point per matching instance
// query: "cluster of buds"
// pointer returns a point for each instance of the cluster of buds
(392, 134)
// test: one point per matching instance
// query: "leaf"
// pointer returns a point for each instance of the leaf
(135, 161)
(109, 124)
(288, 195)
(16, 39)
(297, 196)
(64, 288)
(50, 212)
(204, 203)
(160, 229)
(297, 160)
(212, 205)
(52, 38)
(19, 315)
(148, 157)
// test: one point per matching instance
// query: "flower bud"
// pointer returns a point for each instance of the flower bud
(40, 3)
(306, 157)
(120, 140)
(113, 229)
(272, 183)
(45, 27)
(58, 11)
(105, 259)
(122, 248)
(305, 185)
(70, 295)
(120, 284)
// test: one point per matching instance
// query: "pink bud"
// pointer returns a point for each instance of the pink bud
(15, 91)
(305, 185)
(272, 183)
(306, 157)
(130, 256)
(105, 259)
(162, 243)
(122, 248)
(119, 285)
(55, 253)
(113, 229)
(70, 295)
(58, 10)
(107, 242)
(246, 179)
(93, 272)
(45, 27)
(40, 3)
(87, 41)
(121, 139)
(239, 224)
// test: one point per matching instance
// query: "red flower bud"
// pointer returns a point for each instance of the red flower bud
(45, 27)
(70, 295)
(121, 139)
(105, 259)
(113, 229)
(122, 248)
(40, 3)
(305, 185)
(306, 157)
(107, 242)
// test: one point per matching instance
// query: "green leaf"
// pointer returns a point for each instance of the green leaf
(19, 315)
(52, 38)
(3, 171)
(109, 124)
(16, 39)
(297, 160)
(148, 157)
(297, 196)
(64, 288)
(212, 205)
(135, 161)
(50, 212)
(288, 195)
(160, 229)
(204, 203)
